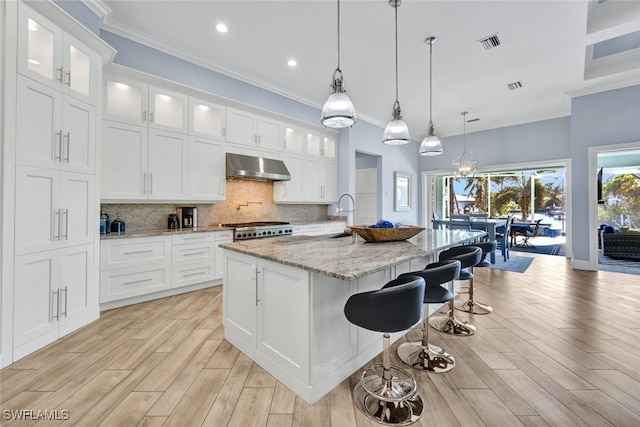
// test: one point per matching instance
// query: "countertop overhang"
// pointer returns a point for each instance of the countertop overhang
(347, 258)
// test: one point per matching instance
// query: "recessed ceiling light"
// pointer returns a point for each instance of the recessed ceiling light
(292, 63)
(222, 28)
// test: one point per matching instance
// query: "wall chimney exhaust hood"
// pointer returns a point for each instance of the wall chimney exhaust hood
(256, 168)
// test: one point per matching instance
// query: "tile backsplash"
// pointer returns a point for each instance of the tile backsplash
(246, 201)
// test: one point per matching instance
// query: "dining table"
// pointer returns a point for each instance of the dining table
(486, 224)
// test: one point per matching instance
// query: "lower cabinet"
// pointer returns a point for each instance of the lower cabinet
(136, 267)
(52, 294)
(256, 311)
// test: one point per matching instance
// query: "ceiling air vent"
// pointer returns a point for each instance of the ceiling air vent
(515, 85)
(489, 42)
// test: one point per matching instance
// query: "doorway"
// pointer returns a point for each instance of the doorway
(367, 184)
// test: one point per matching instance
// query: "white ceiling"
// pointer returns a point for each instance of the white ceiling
(544, 45)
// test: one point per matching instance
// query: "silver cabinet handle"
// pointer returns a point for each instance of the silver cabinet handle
(65, 212)
(151, 116)
(257, 297)
(195, 253)
(59, 74)
(68, 74)
(151, 183)
(144, 183)
(224, 131)
(58, 156)
(201, 273)
(138, 252)
(144, 116)
(66, 300)
(137, 281)
(194, 238)
(68, 138)
(55, 305)
(54, 222)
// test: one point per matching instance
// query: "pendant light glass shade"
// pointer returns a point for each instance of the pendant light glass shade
(396, 132)
(338, 111)
(431, 145)
(466, 165)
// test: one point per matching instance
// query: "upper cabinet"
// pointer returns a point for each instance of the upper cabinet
(321, 145)
(206, 119)
(294, 139)
(247, 128)
(140, 104)
(55, 58)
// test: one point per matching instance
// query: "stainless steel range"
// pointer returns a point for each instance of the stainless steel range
(259, 230)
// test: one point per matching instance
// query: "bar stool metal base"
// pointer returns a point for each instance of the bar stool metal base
(401, 405)
(451, 325)
(430, 358)
(471, 306)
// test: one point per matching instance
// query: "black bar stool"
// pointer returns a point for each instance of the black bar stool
(422, 355)
(471, 305)
(386, 393)
(468, 257)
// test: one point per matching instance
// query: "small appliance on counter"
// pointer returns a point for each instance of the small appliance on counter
(173, 222)
(117, 226)
(105, 223)
(188, 216)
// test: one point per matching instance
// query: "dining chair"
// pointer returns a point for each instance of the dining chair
(502, 237)
(527, 234)
(459, 222)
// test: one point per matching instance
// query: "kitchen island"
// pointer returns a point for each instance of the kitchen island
(283, 301)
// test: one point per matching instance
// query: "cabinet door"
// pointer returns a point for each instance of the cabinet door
(124, 161)
(38, 216)
(294, 139)
(126, 101)
(80, 66)
(329, 180)
(315, 143)
(41, 144)
(39, 48)
(77, 222)
(167, 165)
(241, 127)
(283, 295)
(291, 191)
(168, 110)
(206, 169)
(240, 296)
(269, 133)
(221, 237)
(206, 119)
(36, 298)
(78, 289)
(329, 148)
(313, 180)
(78, 136)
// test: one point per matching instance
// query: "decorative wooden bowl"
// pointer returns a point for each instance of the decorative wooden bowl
(377, 235)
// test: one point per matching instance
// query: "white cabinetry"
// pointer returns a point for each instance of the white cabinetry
(137, 103)
(54, 291)
(143, 164)
(65, 135)
(206, 119)
(256, 312)
(291, 191)
(206, 169)
(244, 127)
(220, 238)
(54, 57)
(320, 228)
(192, 259)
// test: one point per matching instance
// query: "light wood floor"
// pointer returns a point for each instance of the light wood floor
(562, 348)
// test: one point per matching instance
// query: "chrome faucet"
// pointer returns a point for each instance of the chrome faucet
(353, 202)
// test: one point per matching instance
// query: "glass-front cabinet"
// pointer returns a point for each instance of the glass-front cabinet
(49, 55)
(206, 119)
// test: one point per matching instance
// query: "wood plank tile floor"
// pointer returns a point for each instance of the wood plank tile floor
(562, 348)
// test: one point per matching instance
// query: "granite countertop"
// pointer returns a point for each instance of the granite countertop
(344, 258)
(162, 232)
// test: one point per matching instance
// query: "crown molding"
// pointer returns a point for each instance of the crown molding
(98, 7)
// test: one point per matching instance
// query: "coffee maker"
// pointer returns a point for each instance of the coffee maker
(188, 216)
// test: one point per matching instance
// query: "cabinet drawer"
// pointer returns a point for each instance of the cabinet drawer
(334, 227)
(193, 237)
(130, 252)
(134, 281)
(313, 229)
(193, 252)
(191, 274)
(226, 235)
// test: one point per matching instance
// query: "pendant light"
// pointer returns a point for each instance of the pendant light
(338, 111)
(431, 145)
(396, 132)
(465, 165)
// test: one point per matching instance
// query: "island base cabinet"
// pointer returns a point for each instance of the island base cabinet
(266, 305)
